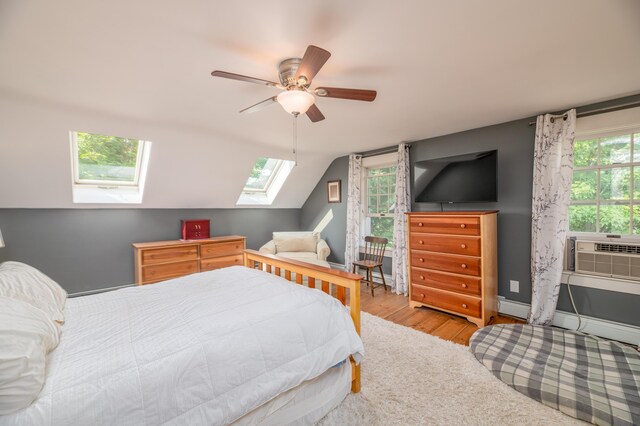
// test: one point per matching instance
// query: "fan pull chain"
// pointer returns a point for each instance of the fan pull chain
(295, 138)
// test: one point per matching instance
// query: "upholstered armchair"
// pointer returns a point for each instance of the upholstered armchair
(303, 246)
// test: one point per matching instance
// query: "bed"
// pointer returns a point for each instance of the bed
(238, 345)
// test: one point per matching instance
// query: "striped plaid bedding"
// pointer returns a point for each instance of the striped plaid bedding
(591, 379)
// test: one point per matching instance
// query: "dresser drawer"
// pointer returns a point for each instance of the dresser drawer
(446, 262)
(168, 270)
(220, 262)
(221, 249)
(458, 225)
(469, 246)
(169, 254)
(459, 303)
(443, 281)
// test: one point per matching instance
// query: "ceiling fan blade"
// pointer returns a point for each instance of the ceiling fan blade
(314, 58)
(239, 77)
(261, 105)
(353, 94)
(314, 114)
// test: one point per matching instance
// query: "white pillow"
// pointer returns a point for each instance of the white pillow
(26, 336)
(26, 283)
(295, 241)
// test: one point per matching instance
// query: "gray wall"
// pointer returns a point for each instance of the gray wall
(515, 143)
(317, 206)
(88, 249)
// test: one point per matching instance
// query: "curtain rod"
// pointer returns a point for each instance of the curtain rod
(599, 110)
(381, 151)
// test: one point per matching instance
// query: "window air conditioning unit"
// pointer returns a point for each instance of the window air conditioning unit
(608, 259)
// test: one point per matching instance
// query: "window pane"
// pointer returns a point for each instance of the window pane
(582, 218)
(261, 174)
(636, 183)
(615, 183)
(384, 184)
(615, 149)
(382, 227)
(373, 204)
(584, 186)
(585, 153)
(106, 158)
(636, 220)
(383, 204)
(614, 219)
(636, 147)
(372, 186)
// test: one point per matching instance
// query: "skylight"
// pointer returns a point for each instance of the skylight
(265, 180)
(108, 169)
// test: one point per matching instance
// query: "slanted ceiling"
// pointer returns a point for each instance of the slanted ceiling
(142, 68)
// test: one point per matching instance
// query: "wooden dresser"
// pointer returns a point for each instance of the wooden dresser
(163, 260)
(453, 263)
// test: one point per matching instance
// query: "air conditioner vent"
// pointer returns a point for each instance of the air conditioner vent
(608, 259)
(617, 248)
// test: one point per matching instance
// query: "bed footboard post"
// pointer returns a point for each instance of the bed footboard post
(354, 310)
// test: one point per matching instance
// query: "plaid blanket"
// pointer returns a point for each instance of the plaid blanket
(591, 379)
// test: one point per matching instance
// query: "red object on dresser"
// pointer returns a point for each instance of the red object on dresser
(195, 229)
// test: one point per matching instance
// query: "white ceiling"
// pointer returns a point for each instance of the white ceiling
(142, 69)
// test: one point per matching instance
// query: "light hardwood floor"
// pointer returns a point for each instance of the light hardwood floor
(395, 308)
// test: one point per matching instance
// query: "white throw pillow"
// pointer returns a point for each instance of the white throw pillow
(296, 241)
(26, 336)
(26, 283)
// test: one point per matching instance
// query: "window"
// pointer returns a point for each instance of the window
(265, 181)
(379, 197)
(605, 193)
(262, 175)
(108, 169)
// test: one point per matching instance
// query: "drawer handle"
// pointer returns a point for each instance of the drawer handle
(422, 277)
(463, 266)
(420, 242)
(421, 259)
(464, 285)
(462, 225)
(463, 246)
(421, 295)
(420, 224)
(464, 305)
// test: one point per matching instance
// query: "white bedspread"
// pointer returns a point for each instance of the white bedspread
(202, 349)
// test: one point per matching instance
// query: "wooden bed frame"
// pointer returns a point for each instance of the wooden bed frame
(315, 274)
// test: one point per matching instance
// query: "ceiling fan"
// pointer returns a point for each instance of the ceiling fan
(296, 76)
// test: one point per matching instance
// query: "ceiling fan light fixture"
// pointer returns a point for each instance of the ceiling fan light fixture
(296, 101)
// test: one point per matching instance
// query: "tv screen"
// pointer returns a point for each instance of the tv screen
(468, 178)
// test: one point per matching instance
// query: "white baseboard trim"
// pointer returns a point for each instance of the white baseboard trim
(598, 327)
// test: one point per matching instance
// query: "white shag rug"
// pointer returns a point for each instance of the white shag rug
(413, 378)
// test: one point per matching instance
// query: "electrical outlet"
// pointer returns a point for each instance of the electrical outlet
(514, 286)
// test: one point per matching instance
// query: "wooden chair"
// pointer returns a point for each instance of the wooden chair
(373, 254)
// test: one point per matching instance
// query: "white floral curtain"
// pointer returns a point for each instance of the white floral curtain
(352, 245)
(552, 176)
(400, 253)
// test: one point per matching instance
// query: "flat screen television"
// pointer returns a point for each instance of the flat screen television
(468, 178)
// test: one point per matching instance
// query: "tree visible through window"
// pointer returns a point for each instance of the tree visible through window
(101, 158)
(605, 193)
(263, 172)
(381, 194)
